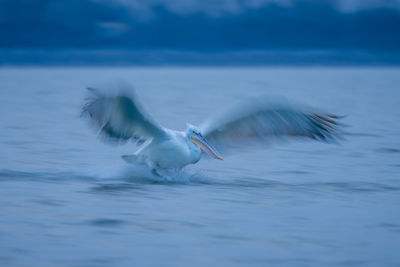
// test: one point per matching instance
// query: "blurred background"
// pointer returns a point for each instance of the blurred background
(67, 199)
(194, 32)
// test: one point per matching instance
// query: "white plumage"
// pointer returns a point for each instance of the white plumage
(119, 118)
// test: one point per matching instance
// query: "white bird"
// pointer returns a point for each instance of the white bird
(119, 117)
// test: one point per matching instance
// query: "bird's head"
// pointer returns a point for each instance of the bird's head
(194, 134)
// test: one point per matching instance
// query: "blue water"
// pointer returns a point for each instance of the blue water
(66, 199)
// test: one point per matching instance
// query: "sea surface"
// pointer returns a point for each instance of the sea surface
(67, 199)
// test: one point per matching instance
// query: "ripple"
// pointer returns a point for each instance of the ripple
(139, 183)
(11, 175)
(351, 186)
(354, 186)
(390, 226)
(230, 237)
(50, 202)
(116, 187)
(388, 150)
(106, 222)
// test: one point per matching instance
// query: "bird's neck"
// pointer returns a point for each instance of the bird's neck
(194, 150)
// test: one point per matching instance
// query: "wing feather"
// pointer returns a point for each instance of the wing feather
(263, 120)
(118, 116)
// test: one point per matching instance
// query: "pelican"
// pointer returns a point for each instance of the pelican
(119, 117)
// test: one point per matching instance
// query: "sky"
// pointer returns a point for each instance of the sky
(200, 27)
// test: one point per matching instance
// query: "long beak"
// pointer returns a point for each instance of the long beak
(205, 146)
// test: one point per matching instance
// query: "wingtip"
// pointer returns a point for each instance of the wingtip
(334, 116)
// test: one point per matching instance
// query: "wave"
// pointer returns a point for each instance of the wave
(130, 179)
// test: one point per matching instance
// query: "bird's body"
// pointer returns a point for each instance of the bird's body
(174, 151)
(120, 118)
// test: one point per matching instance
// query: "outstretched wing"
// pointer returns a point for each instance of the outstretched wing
(119, 117)
(264, 120)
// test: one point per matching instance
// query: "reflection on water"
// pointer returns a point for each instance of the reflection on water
(67, 199)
